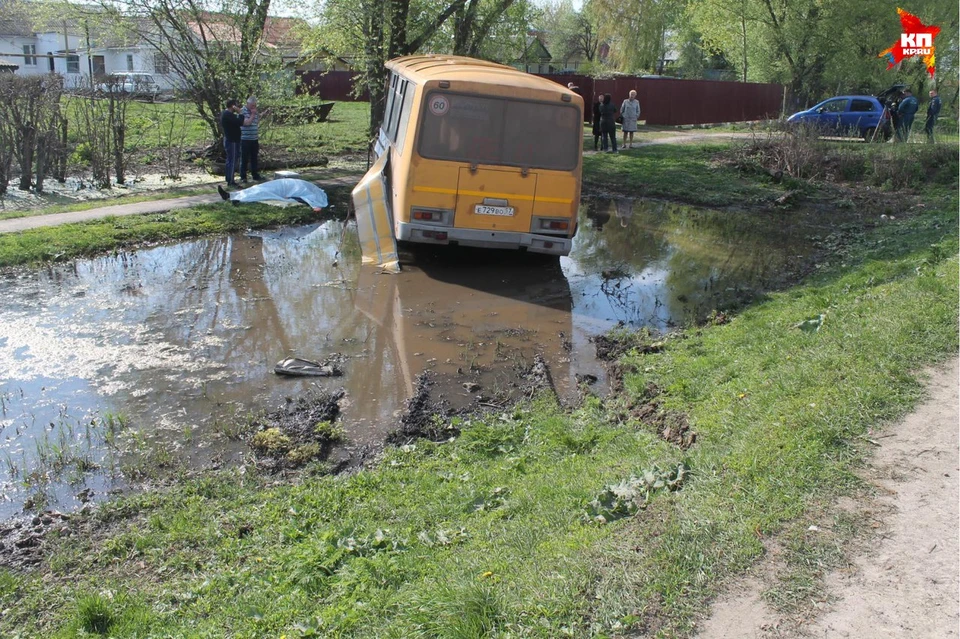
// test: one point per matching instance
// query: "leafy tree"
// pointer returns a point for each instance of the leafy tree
(218, 48)
(698, 61)
(570, 33)
(638, 31)
(371, 32)
(733, 28)
(473, 22)
(821, 47)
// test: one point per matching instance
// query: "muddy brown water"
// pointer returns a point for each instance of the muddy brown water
(112, 367)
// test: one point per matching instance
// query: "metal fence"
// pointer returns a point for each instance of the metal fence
(672, 102)
(663, 101)
(332, 86)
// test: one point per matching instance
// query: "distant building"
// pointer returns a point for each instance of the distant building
(62, 46)
(535, 57)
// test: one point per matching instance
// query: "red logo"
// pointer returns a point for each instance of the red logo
(916, 39)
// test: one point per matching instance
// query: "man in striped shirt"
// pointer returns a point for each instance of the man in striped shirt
(250, 140)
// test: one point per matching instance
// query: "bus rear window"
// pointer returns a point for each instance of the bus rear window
(466, 128)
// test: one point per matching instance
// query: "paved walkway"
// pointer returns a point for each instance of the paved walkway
(137, 208)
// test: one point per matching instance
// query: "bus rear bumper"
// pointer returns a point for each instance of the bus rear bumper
(429, 234)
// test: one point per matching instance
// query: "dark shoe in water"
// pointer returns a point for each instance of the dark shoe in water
(305, 368)
(223, 193)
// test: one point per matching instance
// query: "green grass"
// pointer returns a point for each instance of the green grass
(489, 535)
(148, 128)
(68, 241)
(687, 173)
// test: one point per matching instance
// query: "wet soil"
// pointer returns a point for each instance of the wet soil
(299, 432)
(167, 353)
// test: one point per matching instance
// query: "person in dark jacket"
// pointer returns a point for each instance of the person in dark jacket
(907, 109)
(230, 122)
(608, 123)
(933, 110)
(597, 101)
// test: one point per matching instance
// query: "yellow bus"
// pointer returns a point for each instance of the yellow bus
(479, 154)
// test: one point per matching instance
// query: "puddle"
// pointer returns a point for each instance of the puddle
(159, 353)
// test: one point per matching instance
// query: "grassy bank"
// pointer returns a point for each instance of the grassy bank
(58, 243)
(496, 533)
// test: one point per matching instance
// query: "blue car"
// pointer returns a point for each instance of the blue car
(857, 115)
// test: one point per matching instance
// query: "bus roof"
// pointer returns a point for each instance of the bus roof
(422, 68)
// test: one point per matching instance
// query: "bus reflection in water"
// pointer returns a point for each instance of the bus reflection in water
(472, 153)
(468, 325)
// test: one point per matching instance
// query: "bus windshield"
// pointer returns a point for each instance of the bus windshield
(501, 131)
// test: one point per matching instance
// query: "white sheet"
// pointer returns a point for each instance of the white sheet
(285, 189)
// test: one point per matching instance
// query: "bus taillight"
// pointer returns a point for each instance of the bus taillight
(439, 217)
(550, 225)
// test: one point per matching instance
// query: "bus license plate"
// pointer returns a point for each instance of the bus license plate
(482, 209)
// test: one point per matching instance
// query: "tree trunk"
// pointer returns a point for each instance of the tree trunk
(28, 146)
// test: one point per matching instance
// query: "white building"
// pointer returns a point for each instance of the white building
(65, 49)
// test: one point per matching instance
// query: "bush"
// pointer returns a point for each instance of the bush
(95, 614)
(910, 166)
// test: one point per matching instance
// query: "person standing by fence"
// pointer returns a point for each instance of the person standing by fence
(597, 101)
(630, 113)
(250, 140)
(230, 122)
(933, 110)
(608, 123)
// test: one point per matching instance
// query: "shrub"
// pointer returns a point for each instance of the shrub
(95, 614)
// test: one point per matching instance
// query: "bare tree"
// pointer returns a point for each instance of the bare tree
(217, 49)
(29, 116)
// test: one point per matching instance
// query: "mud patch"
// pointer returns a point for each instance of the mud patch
(298, 433)
(537, 378)
(423, 418)
(620, 340)
(22, 541)
(672, 426)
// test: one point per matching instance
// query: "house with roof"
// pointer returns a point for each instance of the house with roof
(535, 57)
(83, 53)
(74, 50)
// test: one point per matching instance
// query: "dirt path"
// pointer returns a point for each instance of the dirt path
(676, 139)
(906, 584)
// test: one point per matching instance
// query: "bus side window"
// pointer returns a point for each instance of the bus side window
(391, 124)
(389, 104)
(406, 106)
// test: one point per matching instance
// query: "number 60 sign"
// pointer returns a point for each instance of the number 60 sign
(439, 104)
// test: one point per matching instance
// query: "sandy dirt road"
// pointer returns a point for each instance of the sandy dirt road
(904, 585)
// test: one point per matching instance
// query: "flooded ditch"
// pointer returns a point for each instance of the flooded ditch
(120, 367)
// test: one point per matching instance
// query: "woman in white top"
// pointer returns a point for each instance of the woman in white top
(630, 112)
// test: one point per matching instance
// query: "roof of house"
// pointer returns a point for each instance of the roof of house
(6, 64)
(15, 25)
(535, 49)
(278, 33)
